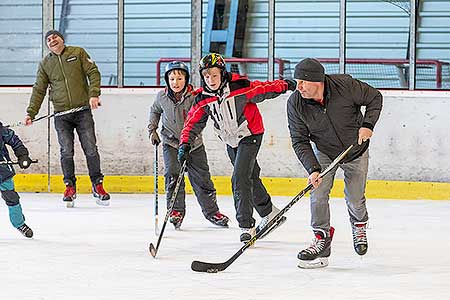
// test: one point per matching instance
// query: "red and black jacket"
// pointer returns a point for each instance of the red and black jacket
(233, 109)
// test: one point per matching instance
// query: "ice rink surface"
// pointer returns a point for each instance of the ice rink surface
(92, 252)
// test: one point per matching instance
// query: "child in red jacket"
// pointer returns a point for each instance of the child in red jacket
(230, 100)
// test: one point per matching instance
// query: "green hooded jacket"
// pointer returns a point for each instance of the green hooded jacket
(73, 78)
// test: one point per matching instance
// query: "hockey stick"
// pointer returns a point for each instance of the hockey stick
(8, 162)
(155, 173)
(152, 248)
(57, 114)
(199, 266)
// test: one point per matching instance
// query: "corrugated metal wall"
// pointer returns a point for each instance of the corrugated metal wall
(154, 29)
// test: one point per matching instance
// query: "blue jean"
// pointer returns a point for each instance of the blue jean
(355, 177)
(83, 123)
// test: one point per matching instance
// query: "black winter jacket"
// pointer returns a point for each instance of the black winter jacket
(334, 126)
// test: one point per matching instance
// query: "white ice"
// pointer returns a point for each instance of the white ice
(92, 252)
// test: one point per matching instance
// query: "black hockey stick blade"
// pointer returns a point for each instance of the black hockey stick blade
(152, 250)
(199, 266)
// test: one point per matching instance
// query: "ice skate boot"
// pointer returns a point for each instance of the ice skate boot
(176, 218)
(247, 234)
(265, 220)
(70, 194)
(316, 255)
(219, 219)
(25, 230)
(360, 238)
(102, 197)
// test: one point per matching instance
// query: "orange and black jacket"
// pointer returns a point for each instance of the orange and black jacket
(233, 109)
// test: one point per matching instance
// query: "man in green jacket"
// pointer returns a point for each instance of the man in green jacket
(74, 82)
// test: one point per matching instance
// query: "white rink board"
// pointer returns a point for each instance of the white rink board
(92, 252)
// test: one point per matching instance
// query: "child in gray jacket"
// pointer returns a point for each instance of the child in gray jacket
(172, 105)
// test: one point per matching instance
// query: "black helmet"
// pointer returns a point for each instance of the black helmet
(176, 65)
(210, 61)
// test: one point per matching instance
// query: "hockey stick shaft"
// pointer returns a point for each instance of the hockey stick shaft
(155, 173)
(8, 162)
(154, 250)
(199, 266)
(61, 113)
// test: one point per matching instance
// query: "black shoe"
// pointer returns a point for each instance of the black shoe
(360, 237)
(25, 230)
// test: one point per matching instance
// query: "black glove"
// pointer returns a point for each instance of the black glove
(154, 138)
(183, 153)
(23, 157)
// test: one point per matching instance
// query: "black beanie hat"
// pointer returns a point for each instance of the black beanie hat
(310, 69)
(50, 32)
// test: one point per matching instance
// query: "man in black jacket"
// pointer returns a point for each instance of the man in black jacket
(324, 117)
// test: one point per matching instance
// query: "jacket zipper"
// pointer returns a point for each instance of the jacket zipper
(332, 125)
(65, 81)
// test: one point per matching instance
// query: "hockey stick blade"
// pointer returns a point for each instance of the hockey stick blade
(199, 266)
(152, 250)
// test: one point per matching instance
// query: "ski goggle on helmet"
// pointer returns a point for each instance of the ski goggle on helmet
(213, 60)
(176, 65)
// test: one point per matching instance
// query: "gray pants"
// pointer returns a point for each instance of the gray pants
(199, 176)
(355, 176)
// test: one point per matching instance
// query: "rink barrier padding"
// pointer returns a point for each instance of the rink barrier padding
(379, 189)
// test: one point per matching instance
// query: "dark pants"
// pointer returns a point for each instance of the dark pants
(199, 176)
(248, 189)
(83, 123)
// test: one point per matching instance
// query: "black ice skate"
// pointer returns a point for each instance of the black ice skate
(316, 255)
(265, 220)
(176, 218)
(247, 234)
(70, 194)
(360, 237)
(102, 197)
(219, 219)
(25, 230)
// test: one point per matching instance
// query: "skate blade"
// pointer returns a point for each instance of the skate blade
(102, 202)
(320, 262)
(70, 204)
(177, 225)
